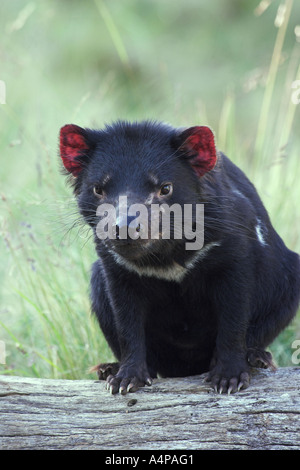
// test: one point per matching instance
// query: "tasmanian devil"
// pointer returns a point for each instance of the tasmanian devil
(168, 305)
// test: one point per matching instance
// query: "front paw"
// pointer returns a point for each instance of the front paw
(128, 379)
(229, 379)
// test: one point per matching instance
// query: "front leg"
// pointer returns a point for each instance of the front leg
(229, 371)
(133, 372)
(129, 311)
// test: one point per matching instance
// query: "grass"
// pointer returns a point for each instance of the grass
(99, 61)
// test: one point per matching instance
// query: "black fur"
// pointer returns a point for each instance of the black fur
(160, 317)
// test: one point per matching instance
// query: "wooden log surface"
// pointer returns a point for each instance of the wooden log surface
(172, 414)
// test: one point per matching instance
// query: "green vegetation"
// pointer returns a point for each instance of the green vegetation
(219, 63)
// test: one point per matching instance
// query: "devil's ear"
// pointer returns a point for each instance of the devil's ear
(73, 145)
(197, 144)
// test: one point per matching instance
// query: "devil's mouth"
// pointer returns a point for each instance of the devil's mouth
(130, 249)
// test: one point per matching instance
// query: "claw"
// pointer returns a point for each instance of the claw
(130, 388)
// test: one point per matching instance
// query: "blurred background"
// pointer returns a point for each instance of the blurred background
(229, 64)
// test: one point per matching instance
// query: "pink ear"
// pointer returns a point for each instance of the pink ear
(199, 145)
(72, 144)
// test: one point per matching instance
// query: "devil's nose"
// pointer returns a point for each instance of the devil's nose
(128, 226)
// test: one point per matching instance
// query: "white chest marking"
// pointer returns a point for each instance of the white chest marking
(174, 272)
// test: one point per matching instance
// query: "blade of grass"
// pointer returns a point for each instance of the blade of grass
(114, 33)
(273, 70)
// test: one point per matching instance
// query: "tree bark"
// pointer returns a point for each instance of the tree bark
(181, 413)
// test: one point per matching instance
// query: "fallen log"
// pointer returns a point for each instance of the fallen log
(181, 413)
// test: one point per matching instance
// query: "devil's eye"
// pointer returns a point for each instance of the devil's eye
(98, 191)
(166, 189)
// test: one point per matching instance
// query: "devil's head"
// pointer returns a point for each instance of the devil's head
(124, 171)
